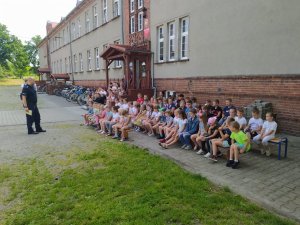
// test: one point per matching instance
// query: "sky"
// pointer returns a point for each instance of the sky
(27, 18)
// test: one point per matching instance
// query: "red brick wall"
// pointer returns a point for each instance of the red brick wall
(282, 91)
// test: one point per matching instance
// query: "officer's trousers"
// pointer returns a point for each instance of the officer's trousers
(35, 118)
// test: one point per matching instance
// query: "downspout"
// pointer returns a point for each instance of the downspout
(122, 21)
(71, 52)
(152, 73)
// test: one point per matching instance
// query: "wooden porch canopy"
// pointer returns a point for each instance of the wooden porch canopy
(63, 76)
(122, 53)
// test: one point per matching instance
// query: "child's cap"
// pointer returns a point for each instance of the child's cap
(211, 120)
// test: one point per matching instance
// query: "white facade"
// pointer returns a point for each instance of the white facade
(77, 42)
(234, 37)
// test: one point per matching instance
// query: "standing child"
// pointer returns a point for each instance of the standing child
(240, 143)
(267, 133)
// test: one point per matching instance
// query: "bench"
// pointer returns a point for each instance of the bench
(279, 142)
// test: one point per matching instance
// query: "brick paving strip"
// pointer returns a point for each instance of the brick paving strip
(272, 184)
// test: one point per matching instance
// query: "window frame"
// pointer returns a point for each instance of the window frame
(161, 39)
(95, 17)
(140, 21)
(171, 38)
(116, 10)
(132, 24)
(184, 34)
(75, 63)
(104, 11)
(140, 4)
(132, 6)
(87, 22)
(97, 58)
(80, 63)
(89, 60)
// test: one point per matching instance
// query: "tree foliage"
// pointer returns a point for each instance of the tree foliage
(16, 57)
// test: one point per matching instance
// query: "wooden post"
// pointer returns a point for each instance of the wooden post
(107, 75)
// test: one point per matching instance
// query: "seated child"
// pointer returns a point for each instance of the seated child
(172, 130)
(140, 99)
(202, 133)
(267, 133)
(154, 119)
(240, 143)
(161, 122)
(167, 124)
(113, 121)
(89, 113)
(126, 126)
(108, 117)
(255, 124)
(182, 121)
(137, 121)
(212, 133)
(240, 118)
(224, 141)
(191, 128)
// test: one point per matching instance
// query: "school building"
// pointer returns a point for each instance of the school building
(244, 50)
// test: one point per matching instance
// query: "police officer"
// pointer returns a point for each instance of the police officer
(29, 99)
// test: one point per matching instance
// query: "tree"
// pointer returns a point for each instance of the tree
(13, 56)
(32, 51)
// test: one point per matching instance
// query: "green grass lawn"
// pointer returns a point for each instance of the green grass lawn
(11, 82)
(116, 183)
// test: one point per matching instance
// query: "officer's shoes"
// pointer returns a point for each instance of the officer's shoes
(40, 131)
(33, 133)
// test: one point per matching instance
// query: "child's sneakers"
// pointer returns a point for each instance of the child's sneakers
(229, 163)
(200, 152)
(235, 165)
(207, 155)
(268, 151)
(213, 158)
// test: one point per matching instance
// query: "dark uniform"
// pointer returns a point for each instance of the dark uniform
(31, 99)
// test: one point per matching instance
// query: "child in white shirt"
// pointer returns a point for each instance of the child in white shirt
(240, 118)
(267, 133)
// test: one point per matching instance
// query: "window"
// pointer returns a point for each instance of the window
(67, 35)
(89, 60)
(161, 41)
(132, 25)
(79, 27)
(73, 31)
(63, 37)
(104, 11)
(80, 62)
(97, 59)
(140, 21)
(75, 63)
(95, 21)
(104, 48)
(132, 6)
(171, 41)
(60, 66)
(70, 65)
(118, 63)
(116, 8)
(87, 22)
(184, 45)
(66, 65)
(140, 4)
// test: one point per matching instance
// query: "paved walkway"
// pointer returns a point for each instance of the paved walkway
(271, 183)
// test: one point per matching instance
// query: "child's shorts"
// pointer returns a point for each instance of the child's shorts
(226, 144)
(240, 146)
